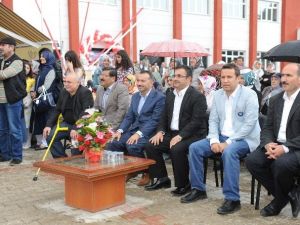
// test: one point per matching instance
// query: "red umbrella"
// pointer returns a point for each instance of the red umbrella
(175, 48)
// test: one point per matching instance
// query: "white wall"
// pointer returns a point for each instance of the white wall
(154, 25)
(105, 18)
(55, 13)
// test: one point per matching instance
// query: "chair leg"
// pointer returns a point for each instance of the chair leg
(221, 172)
(252, 190)
(257, 195)
(216, 172)
(205, 162)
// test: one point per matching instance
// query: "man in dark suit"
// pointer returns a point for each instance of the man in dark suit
(277, 160)
(73, 100)
(183, 122)
(141, 120)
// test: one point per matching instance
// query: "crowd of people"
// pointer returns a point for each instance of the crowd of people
(155, 110)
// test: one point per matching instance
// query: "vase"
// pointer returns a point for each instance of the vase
(93, 156)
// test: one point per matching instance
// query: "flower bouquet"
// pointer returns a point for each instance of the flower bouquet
(93, 134)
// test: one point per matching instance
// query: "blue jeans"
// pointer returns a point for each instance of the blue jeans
(11, 136)
(136, 150)
(200, 150)
(57, 149)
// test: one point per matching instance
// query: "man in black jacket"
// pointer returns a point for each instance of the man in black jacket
(183, 122)
(277, 159)
(12, 91)
(74, 99)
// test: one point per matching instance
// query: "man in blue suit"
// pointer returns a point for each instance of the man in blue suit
(233, 133)
(142, 118)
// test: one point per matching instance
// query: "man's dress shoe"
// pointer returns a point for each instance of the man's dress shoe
(181, 190)
(144, 180)
(229, 207)
(270, 210)
(193, 196)
(164, 182)
(294, 197)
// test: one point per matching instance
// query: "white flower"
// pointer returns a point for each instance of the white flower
(93, 126)
(90, 111)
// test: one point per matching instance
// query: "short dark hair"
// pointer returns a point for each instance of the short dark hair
(149, 73)
(233, 67)
(187, 69)
(112, 72)
(241, 57)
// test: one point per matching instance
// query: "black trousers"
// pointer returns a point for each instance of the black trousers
(277, 176)
(179, 157)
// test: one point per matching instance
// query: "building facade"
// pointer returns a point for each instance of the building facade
(227, 28)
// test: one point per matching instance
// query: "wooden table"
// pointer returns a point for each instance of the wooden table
(94, 186)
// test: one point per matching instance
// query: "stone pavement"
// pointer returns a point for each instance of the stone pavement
(23, 201)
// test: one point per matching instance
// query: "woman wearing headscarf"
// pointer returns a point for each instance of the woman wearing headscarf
(195, 64)
(129, 81)
(104, 62)
(247, 79)
(44, 81)
(207, 86)
(270, 91)
(258, 72)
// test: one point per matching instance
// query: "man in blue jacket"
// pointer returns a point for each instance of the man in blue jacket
(142, 118)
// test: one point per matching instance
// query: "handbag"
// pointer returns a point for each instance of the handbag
(44, 102)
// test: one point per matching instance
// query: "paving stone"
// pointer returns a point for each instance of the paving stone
(24, 201)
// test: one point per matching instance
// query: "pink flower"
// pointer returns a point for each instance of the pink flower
(86, 116)
(100, 134)
(88, 137)
(99, 119)
(80, 125)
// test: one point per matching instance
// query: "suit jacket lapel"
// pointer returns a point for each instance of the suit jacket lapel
(148, 100)
(110, 95)
(295, 106)
(101, 93)
(184, 101)
(280, 107)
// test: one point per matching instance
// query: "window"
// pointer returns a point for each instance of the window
(196, 6)
(268, 11)
(260, 55)
(229, 55)
(234, 8)
(154, 4)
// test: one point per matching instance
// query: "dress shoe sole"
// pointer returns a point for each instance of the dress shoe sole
(229, 212)
(180, 194)
(154, 189)
(193, 200)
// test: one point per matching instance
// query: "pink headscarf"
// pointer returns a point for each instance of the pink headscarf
(209, 83)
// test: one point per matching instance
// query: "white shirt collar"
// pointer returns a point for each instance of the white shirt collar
(292, 97)
(181, 92)
(233, 94)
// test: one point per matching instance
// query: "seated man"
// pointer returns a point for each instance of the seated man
(112, 98)
(73, 100)
(277, 159)
(233, 133)
(183, 122)
(141, 119)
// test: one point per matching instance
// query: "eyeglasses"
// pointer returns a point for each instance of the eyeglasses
(179, 76)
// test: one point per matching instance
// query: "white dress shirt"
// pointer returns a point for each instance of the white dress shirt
(105, 97)
(227, 129)
(176, 110)
(288, 103)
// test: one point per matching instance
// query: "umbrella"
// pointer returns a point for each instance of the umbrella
(175, 48)
(285, 52)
